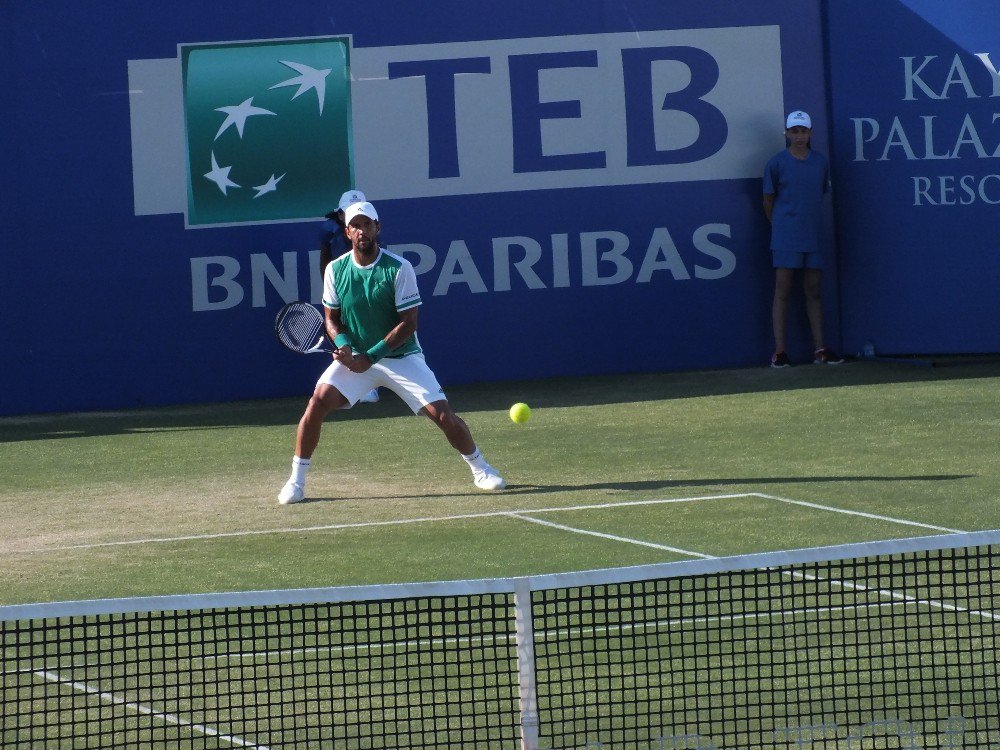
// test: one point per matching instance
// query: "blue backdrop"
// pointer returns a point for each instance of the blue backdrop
(577, 181)
(917, 173)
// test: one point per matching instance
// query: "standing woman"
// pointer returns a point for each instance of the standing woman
(795, 181)
(334, 227)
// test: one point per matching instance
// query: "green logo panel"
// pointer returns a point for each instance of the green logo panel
(268, 129)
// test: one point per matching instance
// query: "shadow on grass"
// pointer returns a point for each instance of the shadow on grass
(660, 484)
(543, 393)
(666, 484)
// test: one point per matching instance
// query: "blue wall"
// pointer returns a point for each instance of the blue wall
(571, 178)
(917, 173)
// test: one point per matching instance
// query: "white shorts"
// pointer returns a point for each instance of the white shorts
(408, 377)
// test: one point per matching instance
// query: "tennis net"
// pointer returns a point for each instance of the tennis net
(886, 644)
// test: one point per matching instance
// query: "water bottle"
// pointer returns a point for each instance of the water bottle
(868, 352)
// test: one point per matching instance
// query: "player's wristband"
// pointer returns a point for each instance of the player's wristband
(341, 340)
(378, 351)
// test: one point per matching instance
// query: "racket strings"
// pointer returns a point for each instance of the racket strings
(300, 327)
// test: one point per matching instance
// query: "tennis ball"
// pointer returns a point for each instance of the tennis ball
(520, 412)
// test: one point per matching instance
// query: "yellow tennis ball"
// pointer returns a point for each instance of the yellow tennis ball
(520, 412)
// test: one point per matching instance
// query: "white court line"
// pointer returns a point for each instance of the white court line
(370, 524)
(897, 598)
(886, 593)
(902, 599)
(143, 709)
(905, 598)
(352, 649)
(612, 537)
(873, 516)
(487, 514)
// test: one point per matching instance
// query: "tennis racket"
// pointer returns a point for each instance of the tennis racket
(301, 328)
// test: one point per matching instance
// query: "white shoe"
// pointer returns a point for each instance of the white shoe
(369, 398)
(488, 478)
(291, 493)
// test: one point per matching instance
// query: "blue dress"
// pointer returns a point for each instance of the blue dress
(798, 186)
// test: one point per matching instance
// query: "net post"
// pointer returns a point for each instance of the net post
(525, 634)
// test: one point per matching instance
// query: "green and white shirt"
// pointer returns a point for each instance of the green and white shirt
(371, 297)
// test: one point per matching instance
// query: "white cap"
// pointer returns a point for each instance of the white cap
(360, 209)
(798, 117)
(351, 196)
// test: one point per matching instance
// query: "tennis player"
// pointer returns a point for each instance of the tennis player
(371, 301)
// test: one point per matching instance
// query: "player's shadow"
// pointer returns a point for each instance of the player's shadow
(663, 484)
(652, 485)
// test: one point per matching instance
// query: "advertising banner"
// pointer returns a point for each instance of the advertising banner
(578, 187)
(917, 173)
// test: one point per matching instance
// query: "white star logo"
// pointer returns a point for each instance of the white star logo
(238, 116)
(268, 187)
(308, 78)
(220, 176)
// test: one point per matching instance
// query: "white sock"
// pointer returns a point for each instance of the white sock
(475, 459)
(299, 468)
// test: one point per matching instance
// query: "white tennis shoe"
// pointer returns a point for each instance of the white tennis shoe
(488, 478)
(369, 398)
(291, 493)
